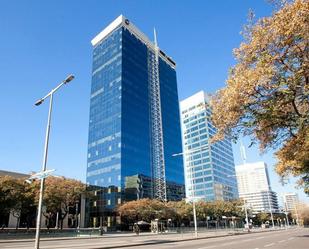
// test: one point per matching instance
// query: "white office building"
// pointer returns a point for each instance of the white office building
(254, 187)
(290, 201)
(206, 165)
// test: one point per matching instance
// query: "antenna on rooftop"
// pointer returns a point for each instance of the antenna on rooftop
(243, 152)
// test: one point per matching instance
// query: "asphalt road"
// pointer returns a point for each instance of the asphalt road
(283, 239)
(296, 239)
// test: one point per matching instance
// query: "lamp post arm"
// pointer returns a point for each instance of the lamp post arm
(65, 81)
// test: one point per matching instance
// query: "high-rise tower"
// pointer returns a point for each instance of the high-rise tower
(209, 168)
(134, 126)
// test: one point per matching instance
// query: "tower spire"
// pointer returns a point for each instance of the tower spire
(243, 152)
(155, 37)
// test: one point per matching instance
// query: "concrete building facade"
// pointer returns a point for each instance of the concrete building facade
(254, 187)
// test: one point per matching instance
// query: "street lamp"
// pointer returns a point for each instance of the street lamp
(296, 213)
(286, 215)
(37, 103)
(270, 209)
(193, 198)
(247, 219)
(245, 206)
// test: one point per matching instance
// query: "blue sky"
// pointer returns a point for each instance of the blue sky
(43, 41)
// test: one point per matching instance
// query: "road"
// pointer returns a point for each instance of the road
(283, 239)
(297, 239)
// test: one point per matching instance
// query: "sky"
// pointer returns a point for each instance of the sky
(42, 42)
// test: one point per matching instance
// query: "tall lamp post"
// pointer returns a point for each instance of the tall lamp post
(270, 209)
(39, 102)
(193, 198)
(247, 218)
(286, 212)
(245, 206)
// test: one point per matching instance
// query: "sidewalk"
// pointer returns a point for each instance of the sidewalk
(170, 237)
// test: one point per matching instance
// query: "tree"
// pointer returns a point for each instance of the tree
(7, 194)
(180, 212)
(261, 218)
(16, 197)
(267, 92)
(302, 210)
(183, 211)
(59, 195)
(143, 209)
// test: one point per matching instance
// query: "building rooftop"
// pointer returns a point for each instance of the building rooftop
(124, 22)
(13, 174)
(195, 99)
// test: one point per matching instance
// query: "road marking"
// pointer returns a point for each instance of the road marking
(271, 244)
(291, 238)
(281, 241)
(246, 240)
(207, 247)
(229, 243)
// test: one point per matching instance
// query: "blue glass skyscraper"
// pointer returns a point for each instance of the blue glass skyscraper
(134, 125)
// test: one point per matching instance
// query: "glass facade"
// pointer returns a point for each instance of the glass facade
(119, 164)
(209, 168)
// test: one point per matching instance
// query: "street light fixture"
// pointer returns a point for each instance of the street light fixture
(286, 214)
(193, 198)
(245, 206)
(37, 103)
(247, 218)
(270, 209)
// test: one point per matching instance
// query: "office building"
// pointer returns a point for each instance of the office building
(254, 187)
(207, 166)
(290, 201)
(134, 126)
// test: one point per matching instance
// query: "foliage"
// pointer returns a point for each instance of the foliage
(294, 159)
(178, 211)
(217, 209)
(59, 195)
(183, 211)
(19, 197)
(267, 92)
(302, 214)
(144, 209)
(261, 218)
(16, 197)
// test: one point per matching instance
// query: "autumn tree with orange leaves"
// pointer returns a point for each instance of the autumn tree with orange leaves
(267, 91)
(60, 195)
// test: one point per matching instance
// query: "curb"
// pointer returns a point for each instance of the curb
(130, 235)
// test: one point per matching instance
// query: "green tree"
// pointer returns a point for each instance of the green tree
(267, 92)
